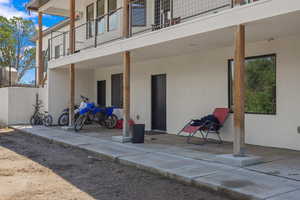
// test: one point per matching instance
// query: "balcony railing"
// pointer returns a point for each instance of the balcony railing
(107, 28)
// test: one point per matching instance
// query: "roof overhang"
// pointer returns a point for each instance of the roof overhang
(34, 5)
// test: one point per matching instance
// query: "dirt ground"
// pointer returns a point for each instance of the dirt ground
(32, 168)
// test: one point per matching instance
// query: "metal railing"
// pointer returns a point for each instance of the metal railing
(108, 27)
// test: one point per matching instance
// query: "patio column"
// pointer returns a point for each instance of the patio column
(126, 70)
(40, 49)
(72, 66)
(239, 92)
(237, 2)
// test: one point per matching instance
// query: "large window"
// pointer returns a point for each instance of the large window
(89, 20)
(139, 13)
(113, 15)
(260, 80)
(100, 16)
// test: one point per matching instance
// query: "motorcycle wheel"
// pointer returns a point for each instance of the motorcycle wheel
(63, 119)
(111, 121)
(48, 120)
(79, 123)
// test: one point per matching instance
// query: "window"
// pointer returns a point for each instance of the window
(113, 15)
(56, 51)
(139, 13)
(117, 90)
(260, 80)
(162, 11)
(100, 16)
(89, 20)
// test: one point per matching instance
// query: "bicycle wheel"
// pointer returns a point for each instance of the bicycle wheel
(36, 120)
(63, 119)
(79, 123)
(48, 120)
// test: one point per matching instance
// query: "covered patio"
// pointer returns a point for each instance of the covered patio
(275, 161)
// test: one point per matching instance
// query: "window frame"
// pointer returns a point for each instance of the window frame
(100, 18)
(89, 22)
(145, 15)
(230, 87)
(109, 14)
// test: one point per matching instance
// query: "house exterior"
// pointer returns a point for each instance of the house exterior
(178, 58)
(4, 76)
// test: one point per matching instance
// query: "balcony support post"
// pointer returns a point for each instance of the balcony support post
(72, 66)
(126, 71)
(239, 92)
(40, 49)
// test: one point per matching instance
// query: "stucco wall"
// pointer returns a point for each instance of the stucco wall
(16, 104)
(3, 106)
(58, 89)
(197, 83)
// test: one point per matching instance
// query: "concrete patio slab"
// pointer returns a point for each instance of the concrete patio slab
(289, 168)
(295, 195)
(255, 185)
(112, 151)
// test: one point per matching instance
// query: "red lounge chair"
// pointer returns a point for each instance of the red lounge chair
(208, 127)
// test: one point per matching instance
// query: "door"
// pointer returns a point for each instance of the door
(101, 93)
(117, 90)
(159, 103)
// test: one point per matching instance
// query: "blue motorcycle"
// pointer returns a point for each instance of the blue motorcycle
(102, 116)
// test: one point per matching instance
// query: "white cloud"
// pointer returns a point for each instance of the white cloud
(8, 10)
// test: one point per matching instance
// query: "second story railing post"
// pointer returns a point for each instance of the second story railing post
(126, 19)
(96, 32)
(64, 43)
(51, 46)
(171, 12)
(130, 19)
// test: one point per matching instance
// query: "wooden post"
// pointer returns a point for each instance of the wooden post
(238, 2)
(126, 70)
(40, 49)
(239, 92)
(72, 66)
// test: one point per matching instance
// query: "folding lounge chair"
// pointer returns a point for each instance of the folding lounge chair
(207, 127)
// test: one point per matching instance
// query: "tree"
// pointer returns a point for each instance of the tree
(16, 48)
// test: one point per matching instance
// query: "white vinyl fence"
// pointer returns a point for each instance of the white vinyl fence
(16, 104)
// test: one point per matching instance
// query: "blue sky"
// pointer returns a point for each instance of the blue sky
(10, 8)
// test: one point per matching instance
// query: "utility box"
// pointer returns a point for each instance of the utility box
(138, 133)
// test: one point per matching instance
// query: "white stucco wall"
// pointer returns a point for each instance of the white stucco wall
(58, 89)
(3, 106)
(16, 104)
(198, 83)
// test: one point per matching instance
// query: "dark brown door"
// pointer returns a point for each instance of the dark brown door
(117, 90)
(101, 93)
(159, 104)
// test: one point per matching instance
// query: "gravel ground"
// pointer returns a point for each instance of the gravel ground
(33, 168)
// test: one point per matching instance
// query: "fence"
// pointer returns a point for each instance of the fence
(145, 16)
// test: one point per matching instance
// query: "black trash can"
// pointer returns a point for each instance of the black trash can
(138, 133)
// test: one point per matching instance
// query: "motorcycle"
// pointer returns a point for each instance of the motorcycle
(102, 116)
(63, 119)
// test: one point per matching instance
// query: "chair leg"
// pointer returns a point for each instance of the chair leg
(220, 139)
(189, 137)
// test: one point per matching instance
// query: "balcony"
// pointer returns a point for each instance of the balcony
(107, 28)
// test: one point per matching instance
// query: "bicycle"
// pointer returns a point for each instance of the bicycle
(40, 118)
